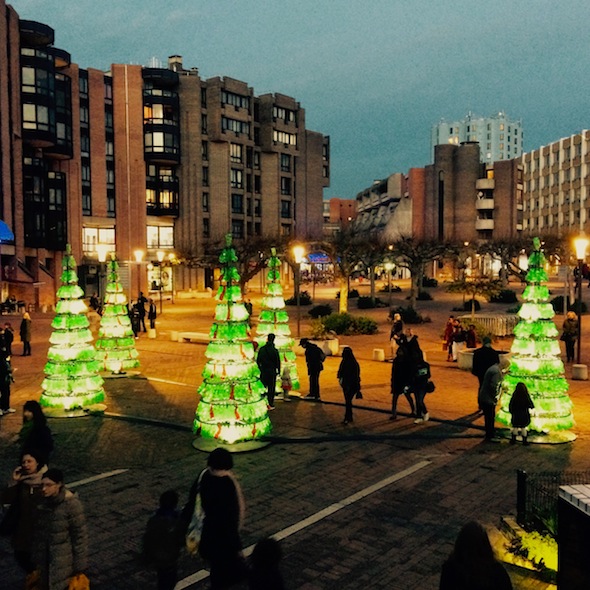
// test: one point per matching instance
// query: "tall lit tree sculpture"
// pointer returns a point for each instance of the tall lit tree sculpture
(72, 382)
(115, 345)
(535, 358)
(274, 319)
(233, 406)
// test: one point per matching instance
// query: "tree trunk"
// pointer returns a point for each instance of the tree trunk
(372, 279)
(414, 282)
(343, 304)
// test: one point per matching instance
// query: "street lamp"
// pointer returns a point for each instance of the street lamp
(298, 254)
(389, 267)
(160, 256)
(138, 258)
(102, 251)
(580, 245)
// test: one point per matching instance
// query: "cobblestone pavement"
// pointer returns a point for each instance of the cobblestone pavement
(374, 504)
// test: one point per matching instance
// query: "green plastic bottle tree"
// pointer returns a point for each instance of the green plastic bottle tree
(535, 356)
(232, 407)
(115, 345)
(72, 381)
(274, 319)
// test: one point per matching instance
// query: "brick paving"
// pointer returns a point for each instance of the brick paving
(395, 537)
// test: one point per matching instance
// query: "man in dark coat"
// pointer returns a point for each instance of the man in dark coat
(269, 363)
(152, 314)
(483, 358)
(488, 395)
(314, 358)
(141, 301)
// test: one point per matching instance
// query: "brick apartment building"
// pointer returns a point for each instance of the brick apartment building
(149, 159)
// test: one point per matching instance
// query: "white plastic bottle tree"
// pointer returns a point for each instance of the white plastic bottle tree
(115, 345)
(535, 356)
(72, 381)
(232, 407)
(274, 319)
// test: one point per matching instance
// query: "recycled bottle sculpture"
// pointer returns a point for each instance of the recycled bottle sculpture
(72, 382)
(535, 356)
(233, 406)
(274, 319)
(115, 345)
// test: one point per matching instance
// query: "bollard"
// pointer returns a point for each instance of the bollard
(378, 354)
(174, 336)
(580, 372)
(151, 333)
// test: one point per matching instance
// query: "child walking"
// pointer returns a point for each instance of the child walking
(520, 406)
(286, 383)
(163, 539)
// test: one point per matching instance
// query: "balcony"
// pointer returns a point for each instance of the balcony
(36, 34)
(482, 184)
(484, 204)
(484, 224)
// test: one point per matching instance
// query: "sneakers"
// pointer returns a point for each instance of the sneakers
(418, 420)
(269, 407)
(426, 417)
(8, 411)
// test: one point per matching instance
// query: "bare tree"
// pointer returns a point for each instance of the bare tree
(370, 255)
(476, 286)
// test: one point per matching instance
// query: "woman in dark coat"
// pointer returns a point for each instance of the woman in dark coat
(24, 496)
(402, 374)
(25, 333)
(472, 564)
(35, 435)
(349, 377)
(571, 329)
(223, 505)
(520, 406)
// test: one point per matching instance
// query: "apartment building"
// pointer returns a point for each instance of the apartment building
(499, 137)
(153, 163)
(556, 198)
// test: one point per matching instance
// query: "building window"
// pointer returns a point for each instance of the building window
(285, 185)
(282, 114)
(92, 236)
(237, 203)
(204, 124)
(256, 160)
(160, 236)
(203, 97)
(205, 172)
(257, 184)
(285, 229)
(205, 202)
(205, 150)
(35, 117)
(237, 228)
(236, 178)
(257, 208)
(236, 153)
(206, 227)
(238, 127)
(286, 209)
(236, 100)
(284, 137)
(285, 163)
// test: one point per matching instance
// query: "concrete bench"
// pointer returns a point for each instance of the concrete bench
(199, 337)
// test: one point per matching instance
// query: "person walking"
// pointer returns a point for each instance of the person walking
(152, 314)
(401, 377)
(488, 395)
(349, 377)
(141, 301)
(269, 363)
(265, 573)
(8, 338)
(60, 539)
(314, 358)
(25, 333)
(472, 565)
(570, 333)
(459, 339)
(448, 337)
(224, 509)
(134, 317)
(470, 336)
(35, 435)
(397, 330)
(23, 494)
(520, 407)
(6, 381)
(163, 540)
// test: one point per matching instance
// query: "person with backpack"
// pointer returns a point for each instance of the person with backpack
(314, 358)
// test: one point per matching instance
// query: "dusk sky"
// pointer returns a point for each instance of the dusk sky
(373, 75)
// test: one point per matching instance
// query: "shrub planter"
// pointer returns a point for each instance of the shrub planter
(465, 358)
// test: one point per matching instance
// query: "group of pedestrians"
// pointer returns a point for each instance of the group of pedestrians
(44, 520)
(137, 314)
(457, 337)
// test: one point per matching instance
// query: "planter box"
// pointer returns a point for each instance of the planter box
(465, 358)
(330, 347)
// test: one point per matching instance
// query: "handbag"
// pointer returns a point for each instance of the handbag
(430, 386)
(192, 538)
(79, 582)
(359, 394)
(10, 520)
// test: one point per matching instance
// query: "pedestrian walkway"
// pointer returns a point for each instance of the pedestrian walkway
(385, 523)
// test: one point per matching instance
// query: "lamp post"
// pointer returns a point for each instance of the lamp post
(102, 251)
(138, 258)
(160, 256)
(298, 254)
(580, 245)
(389, 268)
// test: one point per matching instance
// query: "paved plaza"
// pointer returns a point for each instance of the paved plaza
(374, 504)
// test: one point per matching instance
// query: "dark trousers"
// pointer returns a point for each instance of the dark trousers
(270, 382)
(167, 577)
(570, 345)
(348, 397)
(489, 416)
(26, 348)
(4, 396)
(142, 323)
(314, 384)
(395, 397)
(153, 323)
(420, 394)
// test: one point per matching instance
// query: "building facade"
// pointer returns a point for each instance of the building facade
(499, 137)
(155, 164)
(339, 214)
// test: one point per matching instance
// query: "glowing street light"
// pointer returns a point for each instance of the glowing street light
(580, 245)
(389, 267)
(138, 258)
(298, 254)
(102, 250)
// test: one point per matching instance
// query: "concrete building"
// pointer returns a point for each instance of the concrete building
(499, 137)
(139, 159)
(556, 198)
(339, 214)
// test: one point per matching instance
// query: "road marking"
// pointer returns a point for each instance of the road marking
(83, 482)
(168, 382)
(310, 520)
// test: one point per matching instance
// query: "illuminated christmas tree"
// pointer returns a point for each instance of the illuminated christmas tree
(115, 345)
(233, 403)
(274, 319)
(535, 358)
(72, 382)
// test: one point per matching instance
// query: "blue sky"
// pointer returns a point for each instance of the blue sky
(374, 75)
